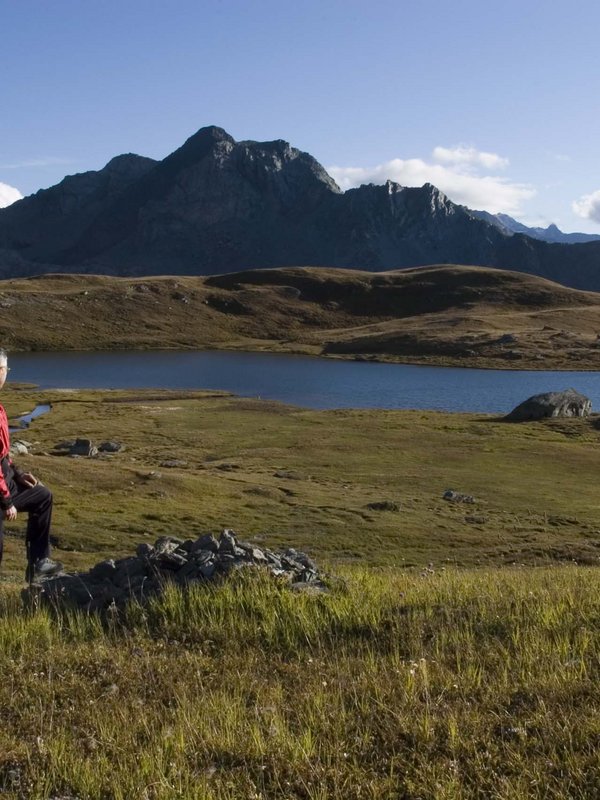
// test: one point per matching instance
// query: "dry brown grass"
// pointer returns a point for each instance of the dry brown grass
(436, 315)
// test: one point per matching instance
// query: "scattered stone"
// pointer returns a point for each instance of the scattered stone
(110, 447)
(383, 505)
(76, 447)
(173, 463)
(456, 497)
(300, 558)
(205, 542)
(84, 447)
(569, 403)
(18, 448)
(110, 584)
(289, 474)
(507, 338)
(104, 569)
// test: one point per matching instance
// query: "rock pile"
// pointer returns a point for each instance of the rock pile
(113, 583)
(85, 448)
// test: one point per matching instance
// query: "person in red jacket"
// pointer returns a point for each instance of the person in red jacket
(21, 491)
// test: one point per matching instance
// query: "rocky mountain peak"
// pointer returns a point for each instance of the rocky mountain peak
(207, 136)
(216, 205)
(436, 193)
(393, 188)
(206, 141)
(128, 163)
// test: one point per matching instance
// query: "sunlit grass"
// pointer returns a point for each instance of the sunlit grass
(307, 479)
(405, 681)
(456, 685)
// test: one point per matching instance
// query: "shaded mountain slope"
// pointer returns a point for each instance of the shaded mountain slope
(216, 205)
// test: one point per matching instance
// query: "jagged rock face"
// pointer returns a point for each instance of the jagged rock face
(213, 205)
(43, 226)
(552, 404)
(216, 205)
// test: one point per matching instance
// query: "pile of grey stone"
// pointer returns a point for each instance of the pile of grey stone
(85, 448)
(112, 583)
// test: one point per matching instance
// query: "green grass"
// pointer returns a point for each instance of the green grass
(460, 684)
(288, 476)
(474, 678)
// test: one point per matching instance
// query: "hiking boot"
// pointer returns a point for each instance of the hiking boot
(42, 568)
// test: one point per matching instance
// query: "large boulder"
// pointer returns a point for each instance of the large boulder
(552, 404)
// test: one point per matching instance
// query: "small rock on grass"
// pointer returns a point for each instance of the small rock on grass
(383, 505)
(456, 497)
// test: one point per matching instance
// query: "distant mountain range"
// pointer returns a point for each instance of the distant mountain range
(216, 205)
(552, 233)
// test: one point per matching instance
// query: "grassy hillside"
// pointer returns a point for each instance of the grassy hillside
(437, 315)
(308, 478)
(418, 677)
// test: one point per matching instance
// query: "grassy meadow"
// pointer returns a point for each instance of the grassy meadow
(456, 655)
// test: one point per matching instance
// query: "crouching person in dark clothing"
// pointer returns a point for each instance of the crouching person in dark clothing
(21, 491)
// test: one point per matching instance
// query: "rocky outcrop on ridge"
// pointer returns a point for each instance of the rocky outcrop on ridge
(551, 404)
(113, 583)
(216, 205)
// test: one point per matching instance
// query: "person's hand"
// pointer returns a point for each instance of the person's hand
(11, 513)
(27, 479)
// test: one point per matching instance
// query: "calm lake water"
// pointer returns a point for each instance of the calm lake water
(300, 380)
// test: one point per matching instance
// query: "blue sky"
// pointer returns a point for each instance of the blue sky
(495, 103)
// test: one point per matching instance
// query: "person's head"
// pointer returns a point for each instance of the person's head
(3, 367)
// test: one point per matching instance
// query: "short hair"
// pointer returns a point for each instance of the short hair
(3, 354)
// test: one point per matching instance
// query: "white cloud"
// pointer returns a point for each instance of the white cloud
(588, 206)
(460, 180)
(469, 156)
(8, 195)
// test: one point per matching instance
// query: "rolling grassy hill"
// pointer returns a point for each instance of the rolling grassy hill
(438, 315)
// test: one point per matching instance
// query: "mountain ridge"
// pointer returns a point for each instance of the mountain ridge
(215, 205)
(552, 233)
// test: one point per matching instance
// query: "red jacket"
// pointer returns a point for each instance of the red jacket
(5, 500)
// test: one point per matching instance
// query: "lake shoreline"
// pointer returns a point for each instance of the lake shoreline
(521, 365)
(297, 380)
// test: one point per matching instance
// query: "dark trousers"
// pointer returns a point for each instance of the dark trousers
(37, 501)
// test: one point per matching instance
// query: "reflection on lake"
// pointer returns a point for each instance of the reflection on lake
(300, 380)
